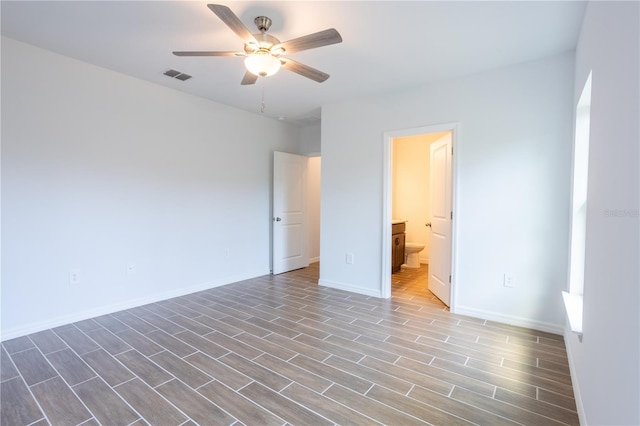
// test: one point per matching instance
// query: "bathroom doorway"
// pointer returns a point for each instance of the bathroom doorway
(418, 189)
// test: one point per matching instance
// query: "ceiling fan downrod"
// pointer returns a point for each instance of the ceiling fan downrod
(263, 23)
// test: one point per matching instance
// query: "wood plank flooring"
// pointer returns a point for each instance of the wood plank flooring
(279, 350)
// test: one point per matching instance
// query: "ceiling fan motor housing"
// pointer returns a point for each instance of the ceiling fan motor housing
(265, 42)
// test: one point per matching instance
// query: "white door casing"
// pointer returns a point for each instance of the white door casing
(441, 219)
(290, 245)
(385, 255)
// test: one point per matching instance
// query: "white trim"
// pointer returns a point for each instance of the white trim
(511, 320)
(573, 307)
(350, 288)
(128, 304)
(314, 259)
(582, 415)
(387, 183)
(387, 168)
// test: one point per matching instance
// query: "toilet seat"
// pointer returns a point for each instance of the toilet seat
(415, 246)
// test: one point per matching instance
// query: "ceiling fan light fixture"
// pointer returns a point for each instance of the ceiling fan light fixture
(277, 50)
(251, 48)
(262, 64)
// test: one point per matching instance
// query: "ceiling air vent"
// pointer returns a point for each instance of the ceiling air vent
(183, 77)
(177, 74)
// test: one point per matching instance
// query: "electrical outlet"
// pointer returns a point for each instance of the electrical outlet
(349, 259)
(509, 280)
(74, 276)
(131, 268)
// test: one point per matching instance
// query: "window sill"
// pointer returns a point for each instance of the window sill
(573, 307)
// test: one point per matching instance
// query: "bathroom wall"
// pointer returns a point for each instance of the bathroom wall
(411, 188)
(410, 192)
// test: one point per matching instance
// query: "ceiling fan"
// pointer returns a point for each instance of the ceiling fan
(264, 54)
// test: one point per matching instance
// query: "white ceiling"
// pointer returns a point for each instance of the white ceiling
(387, 45)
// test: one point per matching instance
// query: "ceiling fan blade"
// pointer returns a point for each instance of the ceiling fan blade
(248, 79)
(311, 41)
(195, 53)
(304, 70)
(233, 22)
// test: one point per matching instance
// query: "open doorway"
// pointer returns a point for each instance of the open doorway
(418, 193)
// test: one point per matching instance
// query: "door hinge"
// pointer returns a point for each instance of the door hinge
(449, 279)
(451, 215)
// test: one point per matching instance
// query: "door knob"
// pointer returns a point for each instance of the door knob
(428, 224)
(276, 219)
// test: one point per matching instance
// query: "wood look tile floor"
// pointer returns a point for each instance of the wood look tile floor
(279, 350)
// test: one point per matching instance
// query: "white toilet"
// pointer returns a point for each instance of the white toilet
(412, 254)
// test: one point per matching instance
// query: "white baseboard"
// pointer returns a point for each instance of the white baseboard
(35, 327)
(582, 416)
(510, 319)
(350, 288)
(314, 259)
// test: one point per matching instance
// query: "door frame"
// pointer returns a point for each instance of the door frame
(387, 184)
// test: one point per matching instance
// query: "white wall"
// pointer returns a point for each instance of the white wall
(100, 170)
(310, 142)
(605, 365)
(313, 207)
(512, 163)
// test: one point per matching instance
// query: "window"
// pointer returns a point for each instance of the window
(573, 299)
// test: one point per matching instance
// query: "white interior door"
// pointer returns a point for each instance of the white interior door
(441, 217)
(290, 246)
